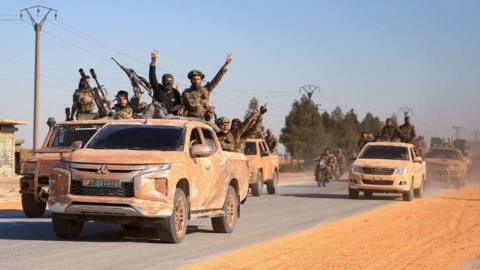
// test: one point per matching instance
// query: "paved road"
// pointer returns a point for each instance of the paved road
(30, 243)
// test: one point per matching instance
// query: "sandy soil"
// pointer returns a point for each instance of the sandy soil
(9, 188)
(434, 233)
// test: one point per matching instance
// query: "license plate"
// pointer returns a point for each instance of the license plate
(101, 183)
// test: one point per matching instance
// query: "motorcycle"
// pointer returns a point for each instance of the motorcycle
(321, 174)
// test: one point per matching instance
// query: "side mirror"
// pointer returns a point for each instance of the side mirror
(264, 153)
(353, 156)
(77, 144)
(418, 159)
(201, 150)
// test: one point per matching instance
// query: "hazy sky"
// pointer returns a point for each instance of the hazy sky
(372, 56)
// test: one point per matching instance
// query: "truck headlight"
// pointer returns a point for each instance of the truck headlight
(155, 169)
(27, 168)
(356, 169)
(400, 171)
(454, 168)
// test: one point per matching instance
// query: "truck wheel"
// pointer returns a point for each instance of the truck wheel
(273, 184)
(32, 208)
(227, 223)
(257, 188)
(408, 195)
(353, 193)
(419, 191)
(173, 228)
(66, 228)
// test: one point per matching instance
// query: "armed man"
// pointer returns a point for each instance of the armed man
(271, 141)
(225, 136)
(364, 139)
(83, 99)
(196, 98)
(164, 93)
(122, 110)
(407, 131)
(389, 131)
(244, 130)
(331, 162)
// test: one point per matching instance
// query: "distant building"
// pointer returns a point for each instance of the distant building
(7, 146)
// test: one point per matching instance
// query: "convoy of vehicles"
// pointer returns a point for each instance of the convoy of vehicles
(36, 171)
(388, 167)
(149, 171)
(263, 166)
(446, 164)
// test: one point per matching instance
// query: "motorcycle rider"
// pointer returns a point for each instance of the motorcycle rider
(330, 165)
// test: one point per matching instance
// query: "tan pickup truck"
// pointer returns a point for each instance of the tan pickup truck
(263, 166)
(388, 167)
(36, 171)
(154, 171)
(446, 164)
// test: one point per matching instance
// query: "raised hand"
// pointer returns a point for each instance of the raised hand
(229, 59)
(154, 56)
(263, 109)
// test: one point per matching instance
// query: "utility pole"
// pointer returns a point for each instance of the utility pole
(457, 131)
(309, 90)
(37, 26)
(405, 110)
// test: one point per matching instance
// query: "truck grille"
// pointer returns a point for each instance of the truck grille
(378, 182)
(377, 171)
(126, 190)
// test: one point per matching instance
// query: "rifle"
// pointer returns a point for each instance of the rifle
(100, 96)
(137, 81)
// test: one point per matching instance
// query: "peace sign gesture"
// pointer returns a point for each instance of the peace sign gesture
(154, 56)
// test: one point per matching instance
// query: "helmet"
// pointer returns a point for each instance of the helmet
(222, 120)
(194, 73)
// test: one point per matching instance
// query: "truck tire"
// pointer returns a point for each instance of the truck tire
(227, 223)
(66, 228)
(353, 193)
(257, 187)
(32, 208)
(408, 195)
(173, 228)
(419, 191)
(273, 184)
(368, 194)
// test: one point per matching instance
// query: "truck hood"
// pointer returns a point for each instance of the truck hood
(440, 161)
(126, 156)
(382, 163)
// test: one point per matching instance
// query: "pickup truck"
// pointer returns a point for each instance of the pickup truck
(149, 171)
(388, 167)
(35, 172)
(263, 166)
(447, 164)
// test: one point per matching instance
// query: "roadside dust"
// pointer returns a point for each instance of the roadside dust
(434, 233)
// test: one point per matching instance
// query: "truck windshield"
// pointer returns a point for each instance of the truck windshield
(139, 137)
(385, 152)
(444, 154)
(64, 136)
(250, 148)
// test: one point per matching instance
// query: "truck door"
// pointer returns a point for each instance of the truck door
(216, 174)
(266, 161)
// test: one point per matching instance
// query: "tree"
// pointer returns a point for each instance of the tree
(303, 135)
(371, 124)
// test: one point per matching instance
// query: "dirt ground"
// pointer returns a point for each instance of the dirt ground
(434, 233)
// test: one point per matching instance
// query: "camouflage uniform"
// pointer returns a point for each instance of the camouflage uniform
(83, 101)
(125, 112)
(196, 101)
(389, 133)
(227, 140)
(135, 102)
(407, 133)
(331, 162)
(240, 133)
(271, 143)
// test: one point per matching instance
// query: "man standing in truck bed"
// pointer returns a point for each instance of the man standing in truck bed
(196, 98)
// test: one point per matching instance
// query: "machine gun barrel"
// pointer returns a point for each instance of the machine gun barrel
(84, 76)
(100, 96)
(137, 81)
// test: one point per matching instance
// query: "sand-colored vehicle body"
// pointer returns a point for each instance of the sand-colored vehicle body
(263, 166)
(140, 186)
(37, 170)
(451, 168)
(405, 176)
